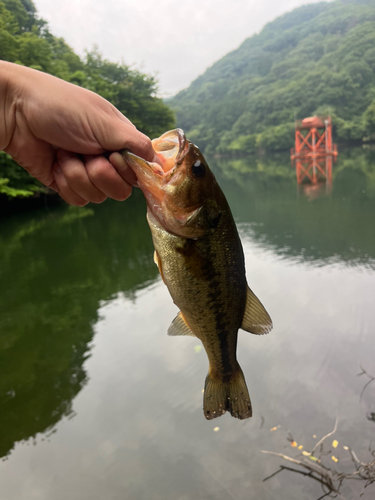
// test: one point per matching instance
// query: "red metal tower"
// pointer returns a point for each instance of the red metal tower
(313, 137)
(314, 152)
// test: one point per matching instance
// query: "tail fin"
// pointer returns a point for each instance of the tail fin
(222, 396)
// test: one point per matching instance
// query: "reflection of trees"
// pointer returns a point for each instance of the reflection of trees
(55, 268)
(263, 192)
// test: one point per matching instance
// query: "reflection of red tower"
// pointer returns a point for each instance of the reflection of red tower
(314, 152)
(315, 170)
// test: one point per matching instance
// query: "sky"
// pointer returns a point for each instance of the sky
(174, 40)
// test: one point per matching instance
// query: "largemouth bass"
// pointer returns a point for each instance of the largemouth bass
(200, 258)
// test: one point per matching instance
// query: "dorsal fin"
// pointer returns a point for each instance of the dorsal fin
(179, 327)
(256, 319)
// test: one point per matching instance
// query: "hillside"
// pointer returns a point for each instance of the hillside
(25, 39)
(319, 58)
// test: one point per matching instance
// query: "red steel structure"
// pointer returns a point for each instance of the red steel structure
(313, 137)
(314, 151)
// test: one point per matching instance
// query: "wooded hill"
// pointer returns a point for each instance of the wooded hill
(25, 39)
(319, 58)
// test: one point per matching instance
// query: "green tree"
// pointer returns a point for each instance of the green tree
(369, 119)
(25, 39)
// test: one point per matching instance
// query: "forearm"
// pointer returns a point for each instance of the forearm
(8, 102)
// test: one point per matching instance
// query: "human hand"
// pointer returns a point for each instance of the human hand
(61, 134)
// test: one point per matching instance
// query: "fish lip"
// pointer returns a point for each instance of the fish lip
(184, 146)
(183, 150)
(137, 161)
(155, 168)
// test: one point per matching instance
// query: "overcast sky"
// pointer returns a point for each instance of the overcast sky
(174, 39)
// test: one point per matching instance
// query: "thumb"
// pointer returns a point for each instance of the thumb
(126, 136)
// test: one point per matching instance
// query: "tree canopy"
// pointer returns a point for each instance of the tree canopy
(25, 39)
(317, 59)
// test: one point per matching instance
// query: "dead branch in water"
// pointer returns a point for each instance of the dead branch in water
(325, 437)
(364, 372)
(331, 480)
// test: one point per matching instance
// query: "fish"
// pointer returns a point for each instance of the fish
(200, 258)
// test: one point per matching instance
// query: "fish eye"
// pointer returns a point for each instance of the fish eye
(198, 169)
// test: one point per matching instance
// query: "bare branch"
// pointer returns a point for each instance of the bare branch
(325, 437)
(331, 480)
(324, 474)
(285, 457)
(364, 372)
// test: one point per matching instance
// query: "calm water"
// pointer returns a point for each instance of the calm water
(97, 402)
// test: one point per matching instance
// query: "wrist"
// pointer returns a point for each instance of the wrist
(8, 102)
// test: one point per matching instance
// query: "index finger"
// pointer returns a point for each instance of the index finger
(123, 168)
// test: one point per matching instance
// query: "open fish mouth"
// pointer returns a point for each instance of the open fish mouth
(171, 148)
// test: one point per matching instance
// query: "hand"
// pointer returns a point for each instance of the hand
(60, 133)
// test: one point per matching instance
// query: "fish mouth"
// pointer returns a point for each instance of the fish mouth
(171, 148)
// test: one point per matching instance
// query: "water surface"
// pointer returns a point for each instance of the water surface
(96, 401)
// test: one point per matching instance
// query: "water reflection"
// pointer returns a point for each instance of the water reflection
(337, 228)
(313, 191)
(81, 305)
(314, 172)
(314, 176)
(56, 268)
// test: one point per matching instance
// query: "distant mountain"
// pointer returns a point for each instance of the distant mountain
(319, 58)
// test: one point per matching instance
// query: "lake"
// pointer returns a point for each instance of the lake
(97, 402)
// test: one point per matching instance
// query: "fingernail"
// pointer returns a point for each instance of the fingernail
(118, 161)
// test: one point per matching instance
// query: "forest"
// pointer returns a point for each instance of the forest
(317, 59)
(25, 39)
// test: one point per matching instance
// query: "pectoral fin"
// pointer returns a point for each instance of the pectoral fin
(180, 327)
(256, 319)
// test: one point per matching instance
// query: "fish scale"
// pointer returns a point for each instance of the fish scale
(204, 292)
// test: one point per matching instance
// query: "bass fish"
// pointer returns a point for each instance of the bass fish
(200, 258)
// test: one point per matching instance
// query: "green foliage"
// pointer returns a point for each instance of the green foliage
(132, 92)
(245, 143)
(25, 39)
(11, 192)
(278, 137)
(369, 119)
(14, 180)
(318, 56)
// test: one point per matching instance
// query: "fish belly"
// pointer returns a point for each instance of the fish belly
(206, 279)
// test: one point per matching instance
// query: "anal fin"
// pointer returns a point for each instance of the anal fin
(180, 327)
(256, 319)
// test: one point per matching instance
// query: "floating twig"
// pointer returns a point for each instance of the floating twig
(331, 480)
(364, 372)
